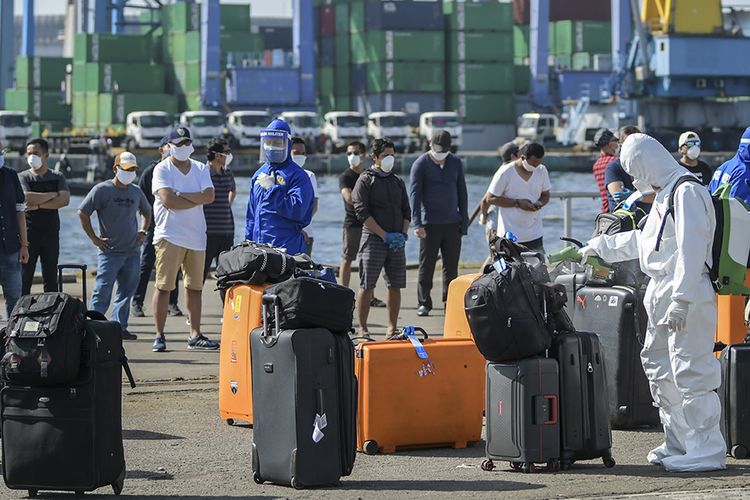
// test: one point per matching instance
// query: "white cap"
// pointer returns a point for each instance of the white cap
(687, 136)
(126, 161)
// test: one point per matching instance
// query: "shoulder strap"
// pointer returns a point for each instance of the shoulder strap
(670, 205)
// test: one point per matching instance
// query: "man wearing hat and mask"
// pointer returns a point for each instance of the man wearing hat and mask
(607, 143)
(690, 151)
(117, 204)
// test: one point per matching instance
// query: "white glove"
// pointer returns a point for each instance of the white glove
(265, 180)
(482, 219)
(587, 252)
(677, 316)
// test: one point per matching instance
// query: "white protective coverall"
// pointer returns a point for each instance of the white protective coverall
(679, 362)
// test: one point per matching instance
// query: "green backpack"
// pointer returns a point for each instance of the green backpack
(731, 246)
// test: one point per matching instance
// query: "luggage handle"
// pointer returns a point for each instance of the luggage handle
(80, 267)
(266, 300)
(402, 335)
(128, 373)
(552, 400)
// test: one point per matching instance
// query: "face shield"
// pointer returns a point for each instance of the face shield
(275, 145)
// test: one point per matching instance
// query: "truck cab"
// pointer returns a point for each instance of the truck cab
(340, 128)
(203, 125)
(304, 124)
(245, 127)
(15, 130)
(445, 120)
(538, 127)
(395, 126)
(145, 129)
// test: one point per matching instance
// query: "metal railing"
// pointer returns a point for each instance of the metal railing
(567, 197)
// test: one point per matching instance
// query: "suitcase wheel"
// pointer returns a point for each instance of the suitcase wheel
(230, 421)
(553, 465)
(370, 447)
(257, 478)
(516, 465)
(489, 465)
(609, 462)
(739, 451)
(32, 493)
(565, 465)
(529, 468)
(295, 484)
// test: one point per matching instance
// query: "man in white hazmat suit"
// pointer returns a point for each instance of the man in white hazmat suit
(678, 352)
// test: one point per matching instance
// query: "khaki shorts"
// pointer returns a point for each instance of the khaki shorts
(170, 258)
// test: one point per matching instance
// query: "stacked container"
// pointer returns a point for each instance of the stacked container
(578, 43)
(181, 53)
(38, 91)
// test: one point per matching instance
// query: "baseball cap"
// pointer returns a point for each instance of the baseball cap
(164, 141)
(179, 134)
(687, 136)
(126, 161)
(441, 140)
(603, 137)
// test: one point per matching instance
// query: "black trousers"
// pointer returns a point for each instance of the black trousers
(148, 260)
(443, 238)
(215, 244)
(45, 247)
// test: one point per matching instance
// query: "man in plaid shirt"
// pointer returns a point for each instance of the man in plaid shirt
(607, 143)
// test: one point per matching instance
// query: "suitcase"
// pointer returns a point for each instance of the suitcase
(305, 401)
(617, 316)
(69, 437)
(735, 399)
(523, 412)
(584, 412)
(242, 314)
(572, 283)
(406, 401)
(456, 325)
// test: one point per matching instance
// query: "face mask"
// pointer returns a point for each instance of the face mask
(528, 166)
(693, 152)
(125, 176)
(438, 156)
(228, 160)
(167, 153)
(354, 160)
(299, 160)
(386, 164)
(34, 161)
(182, 153)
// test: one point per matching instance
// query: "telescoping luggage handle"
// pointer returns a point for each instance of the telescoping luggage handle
(409, 333)
(271, 299)
(80, 267)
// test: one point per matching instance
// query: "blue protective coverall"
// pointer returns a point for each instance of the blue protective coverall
(736, 172)
(277, 215)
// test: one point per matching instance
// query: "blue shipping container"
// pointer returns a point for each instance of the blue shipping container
(404, 15)
(277, 37)
(411, 103)
(261, 86)
(327, 55)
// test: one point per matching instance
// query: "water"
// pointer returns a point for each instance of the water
(76, 247)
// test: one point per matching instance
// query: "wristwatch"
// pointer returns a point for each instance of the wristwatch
(177, 193)
(517, 204)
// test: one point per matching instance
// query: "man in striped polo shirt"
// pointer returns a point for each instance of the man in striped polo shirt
(219, 218)
(607, 143)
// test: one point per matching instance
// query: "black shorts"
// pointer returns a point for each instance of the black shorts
(352, 237)
(375, 256)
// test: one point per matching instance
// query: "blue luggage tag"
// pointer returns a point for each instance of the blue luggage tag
(409, 333)
(500, 265)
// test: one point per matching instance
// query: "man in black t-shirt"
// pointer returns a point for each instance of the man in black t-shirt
(690, 150)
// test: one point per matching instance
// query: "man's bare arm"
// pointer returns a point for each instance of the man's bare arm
(35, 199)
(203, 198)
(61, 200)
(172, 201)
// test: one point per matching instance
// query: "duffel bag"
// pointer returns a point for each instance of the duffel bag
(253, 264)
(505, 314)
(44, 340)
(311, 303)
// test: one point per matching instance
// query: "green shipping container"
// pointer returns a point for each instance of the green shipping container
(113, 108)
(582, 36)
(405, 77)
(105, 47)
(484, 108)
(44, 105)
(325, 81)
(342, 80)
(480, 77)
(79, 76)
(181, 17)
(125, 78)
(79, 110)
(342, 102)
(182, 47)
(341, 13)
(92, 110)
(235, 17)
(581, 61)
(478, 16)
(564, 61)
(357, 17)
(358, 47)
(401, 46)
(241, 42)
(189, 102)
(480, 47)
(183, 78)
(520, 41)
(342, 49)
(522, 79)
(44, 73)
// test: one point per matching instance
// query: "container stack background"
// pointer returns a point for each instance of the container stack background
(39, 91)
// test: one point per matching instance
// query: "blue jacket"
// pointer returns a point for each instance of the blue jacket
(736, 172)
(277, 215)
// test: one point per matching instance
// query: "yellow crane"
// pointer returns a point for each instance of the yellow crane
(693, 17)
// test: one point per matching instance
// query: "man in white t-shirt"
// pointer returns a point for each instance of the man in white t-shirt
(181, 187)
(520, 189)
(299, 157)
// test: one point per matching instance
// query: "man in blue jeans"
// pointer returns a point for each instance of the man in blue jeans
(14, 246)
(117, 203)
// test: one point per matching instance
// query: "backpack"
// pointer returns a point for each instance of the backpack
(730, 249)
(619, 221)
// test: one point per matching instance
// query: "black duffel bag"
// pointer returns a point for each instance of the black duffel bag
(44, 340)
(504, 311)
(310, 303)
(253, 263)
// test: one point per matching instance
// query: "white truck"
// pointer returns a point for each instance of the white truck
(393, 125)
(145, 129)
(245, 126)
(203, 125)
(538, 127)
(15, 130)
(305, 124)
(340, 128)
(445, 120)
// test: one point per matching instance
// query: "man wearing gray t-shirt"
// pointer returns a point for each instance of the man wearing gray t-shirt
(117, 204)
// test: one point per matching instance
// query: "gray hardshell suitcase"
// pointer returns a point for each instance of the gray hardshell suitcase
(522, 414)
(304, 401)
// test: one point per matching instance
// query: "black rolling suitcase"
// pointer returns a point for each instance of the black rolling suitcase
(735, 398)
(584, 415)
(523, 414)
(616, 314)
(68, 437)
(305, 401)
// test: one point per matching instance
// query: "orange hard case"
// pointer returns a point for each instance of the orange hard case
(456, 325)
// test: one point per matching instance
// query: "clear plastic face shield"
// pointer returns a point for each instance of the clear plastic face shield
(275, 145)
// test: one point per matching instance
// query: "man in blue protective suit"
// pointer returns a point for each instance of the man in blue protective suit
(281, 195)
(736, 172)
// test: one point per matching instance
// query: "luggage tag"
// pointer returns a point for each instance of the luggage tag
(409, 333)
(500, 265)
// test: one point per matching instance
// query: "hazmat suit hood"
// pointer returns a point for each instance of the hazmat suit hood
(280, 125)
(743, 152)
(646, 160)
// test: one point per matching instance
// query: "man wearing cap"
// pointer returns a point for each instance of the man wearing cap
(736, 171)
(437, 193)
(689, 147)
(117, 204)
(607, 143)
(181, 187)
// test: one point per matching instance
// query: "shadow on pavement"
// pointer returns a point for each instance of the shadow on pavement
(437, 485)
(135, 434)
(476, 450)
(644, 470)
(168, 361)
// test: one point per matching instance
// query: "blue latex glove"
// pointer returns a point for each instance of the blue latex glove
(622, 195)
(395, 241)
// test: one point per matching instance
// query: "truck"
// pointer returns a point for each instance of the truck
(395, 126)
(145, 129)
(304, 124)
(15, 130)
(538, 127)
(340, 128)
(203, 125)
(445, 120)
(245, 126)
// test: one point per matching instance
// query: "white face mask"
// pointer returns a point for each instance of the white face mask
(299, 160)
(182, 153)
(693, 152)
(354, 160)
(34, 161)
(386, 164)
(125, 176)
(228, 160)
(528, 166)
(438, 156)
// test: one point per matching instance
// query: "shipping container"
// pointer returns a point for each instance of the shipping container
(522, 79)
(478, 16)
(483, 107)
(327, 21)
(92, 110)
(521, 42)
(579, 10)
(148, 18)
(43, 73)
(241, 42)
(405, 77)
(402, 46)
(38, 104)
(189, 102)
(276, 37)
(235, 18)
(124, 77)
(425, 16)
(413, 104)
(580, 61)
(357, 17)
(326, 51)
(105, 47)
(480, 77)
(582, 36)
(602, 62)
(480, 47)
(181, 17)
(359, 79)
(342, 80)
(325, 81)
(342, 19)
(182, 47)
(183, 78)
(113, 108)
(249, 87)
(358, 47)
(78, 119)
(342, 50)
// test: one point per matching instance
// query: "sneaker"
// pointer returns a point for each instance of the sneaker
(376, 302)
(201, 342)
(137, 311)
(174, 310)
(423, 311)
(126, 335)
(160, 344)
